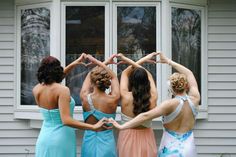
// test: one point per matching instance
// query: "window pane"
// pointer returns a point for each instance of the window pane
(35, 45)
(136, 34)
(186, 39)
(85, 26)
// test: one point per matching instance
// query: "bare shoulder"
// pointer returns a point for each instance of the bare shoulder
(168, 106)
(36, 89)
(126, 98)
(195, 99)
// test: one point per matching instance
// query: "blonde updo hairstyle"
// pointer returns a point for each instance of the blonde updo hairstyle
(100, 78)
(178, 83)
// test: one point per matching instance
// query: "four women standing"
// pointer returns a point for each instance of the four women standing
(138, 99)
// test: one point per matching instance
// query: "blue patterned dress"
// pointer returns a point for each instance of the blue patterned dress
(56, 139)
(174, 144)
(98, 144)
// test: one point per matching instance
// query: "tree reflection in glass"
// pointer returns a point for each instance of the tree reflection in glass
(35, 45)
(136, 34)
(85, 32)
(186, 39)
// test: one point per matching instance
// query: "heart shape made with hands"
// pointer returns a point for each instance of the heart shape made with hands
(85, 60)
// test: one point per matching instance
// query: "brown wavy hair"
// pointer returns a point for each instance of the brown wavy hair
(139, 85)
(178, 82)
(100, 78)
(50, 71)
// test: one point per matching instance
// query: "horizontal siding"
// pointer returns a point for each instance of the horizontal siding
(17, 139)
(216, 136)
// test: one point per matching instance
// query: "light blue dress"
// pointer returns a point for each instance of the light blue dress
(98, 144)
(56, 139)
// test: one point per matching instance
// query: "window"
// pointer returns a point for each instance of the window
(34, 44)
(187, 38)
(67, 29)
(85, 32)
(136, 32)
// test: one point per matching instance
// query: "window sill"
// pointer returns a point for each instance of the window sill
(35, 118)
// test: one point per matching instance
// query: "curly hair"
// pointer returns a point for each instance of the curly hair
(178, 82)
(139, 85)
(100, 78)
(50, 71)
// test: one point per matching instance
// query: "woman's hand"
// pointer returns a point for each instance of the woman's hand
(81, 59)
(110, 60)
(123, 59)
(115, 124)
(100, 124)
(150, 57)
(163, 59)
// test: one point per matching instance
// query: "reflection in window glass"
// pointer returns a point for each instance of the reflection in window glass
(186, 39)
(35, 45)
(85, 26)
(136, 34)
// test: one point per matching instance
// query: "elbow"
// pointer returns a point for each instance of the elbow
(66, 121)
(145, 116)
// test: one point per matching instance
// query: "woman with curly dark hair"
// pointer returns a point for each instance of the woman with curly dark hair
(138, 95)
(57, 135)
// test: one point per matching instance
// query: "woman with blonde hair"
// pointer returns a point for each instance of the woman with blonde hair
(179, 114)
(97, 104)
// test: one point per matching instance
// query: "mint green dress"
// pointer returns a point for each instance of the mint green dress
(56, 139)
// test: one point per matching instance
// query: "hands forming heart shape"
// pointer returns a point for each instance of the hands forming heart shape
(88, 60)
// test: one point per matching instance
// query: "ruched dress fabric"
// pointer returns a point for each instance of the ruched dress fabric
(136, 142)
(174, 144)
(101, 143)
(56, 139)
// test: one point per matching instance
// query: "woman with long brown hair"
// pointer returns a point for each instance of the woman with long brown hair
(138, 95)
(179, 113)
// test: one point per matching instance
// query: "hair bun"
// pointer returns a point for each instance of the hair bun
(100, 78)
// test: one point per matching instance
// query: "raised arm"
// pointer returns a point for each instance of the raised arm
(124, 80)
(64, 100)
(193, 87)
(73, 64)
(126, 72)
(115, 92)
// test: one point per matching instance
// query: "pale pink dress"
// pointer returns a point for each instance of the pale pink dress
(136, 142)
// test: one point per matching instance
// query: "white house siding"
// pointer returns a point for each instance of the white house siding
(214, 136)
(16, 138)
(217, 135)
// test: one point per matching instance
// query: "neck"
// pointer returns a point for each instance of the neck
(181, 94)
(97, 91)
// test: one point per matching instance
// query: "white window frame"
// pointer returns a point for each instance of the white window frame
(18, 105)
(32, 111)
(203, 107)
(78, 109)
(57, 48)
(158, 29)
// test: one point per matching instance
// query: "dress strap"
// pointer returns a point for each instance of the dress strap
(90, 102)
(173, 115)
(193, 107)
(191, 104)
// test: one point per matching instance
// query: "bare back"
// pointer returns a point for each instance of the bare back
(46, 96)
(185, 119)
(102, 102)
